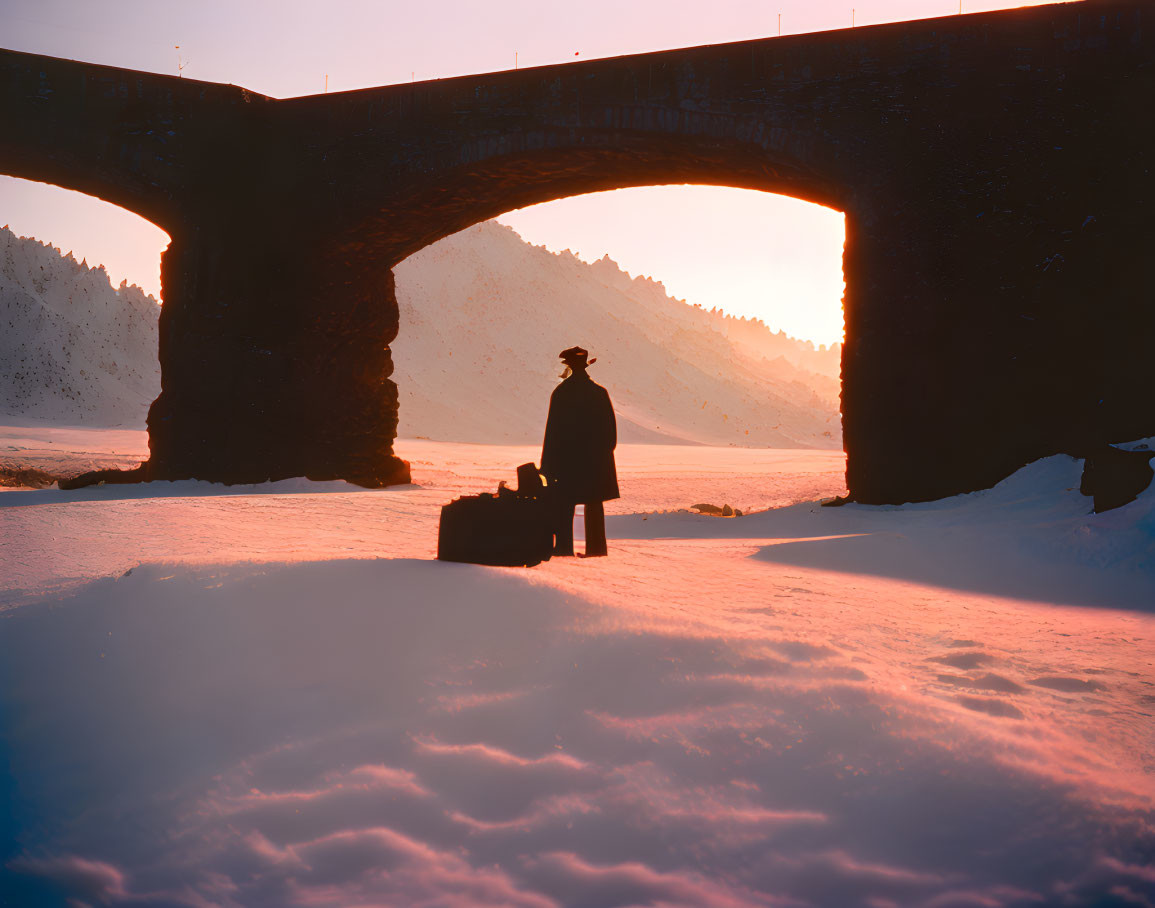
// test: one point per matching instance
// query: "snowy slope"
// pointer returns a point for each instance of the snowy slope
(483, 316)
(72, 349)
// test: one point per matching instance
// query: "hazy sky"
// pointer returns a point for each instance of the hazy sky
(749, 253)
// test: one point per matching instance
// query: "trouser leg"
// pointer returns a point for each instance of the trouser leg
(595, 528)
(563, 527)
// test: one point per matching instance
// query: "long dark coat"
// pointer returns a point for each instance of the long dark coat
(580, 436)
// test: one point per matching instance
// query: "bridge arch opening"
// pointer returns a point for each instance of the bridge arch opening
(484, 311)
(83, 278)
(126, 244)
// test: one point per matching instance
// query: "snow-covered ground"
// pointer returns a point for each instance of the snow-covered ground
(274, 696)
(44, 445)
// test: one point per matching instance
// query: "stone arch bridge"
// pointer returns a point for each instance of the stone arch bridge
(996, 172)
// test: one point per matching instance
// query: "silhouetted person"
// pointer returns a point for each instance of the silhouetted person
(577, 456)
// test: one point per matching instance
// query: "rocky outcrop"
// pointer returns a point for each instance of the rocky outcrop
(1114, 477)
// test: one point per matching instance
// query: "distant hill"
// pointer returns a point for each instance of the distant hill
(483, 315)
(72, 349)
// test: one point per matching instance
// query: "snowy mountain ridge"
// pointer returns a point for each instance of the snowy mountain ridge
(72, 349)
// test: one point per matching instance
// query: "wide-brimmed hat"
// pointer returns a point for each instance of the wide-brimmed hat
(576, 356)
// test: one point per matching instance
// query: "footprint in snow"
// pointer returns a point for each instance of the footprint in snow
(997, 708)
(963, 660)
(765, 666)
(986, 682)
(798, 651)
(1068, 685)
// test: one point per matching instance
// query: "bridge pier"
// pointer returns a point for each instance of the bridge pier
(994, 328)
(275, 363)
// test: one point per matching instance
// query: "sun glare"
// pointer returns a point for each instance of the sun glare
(751, 254)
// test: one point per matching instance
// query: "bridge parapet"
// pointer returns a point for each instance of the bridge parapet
(139, 140)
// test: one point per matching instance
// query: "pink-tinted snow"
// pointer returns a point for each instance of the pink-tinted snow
(287, 702)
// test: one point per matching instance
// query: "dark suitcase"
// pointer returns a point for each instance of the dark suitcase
(510, 528)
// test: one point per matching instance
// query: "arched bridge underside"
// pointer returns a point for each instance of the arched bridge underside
(995, 171)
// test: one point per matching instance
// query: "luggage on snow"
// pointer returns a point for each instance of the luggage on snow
(508, 528)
